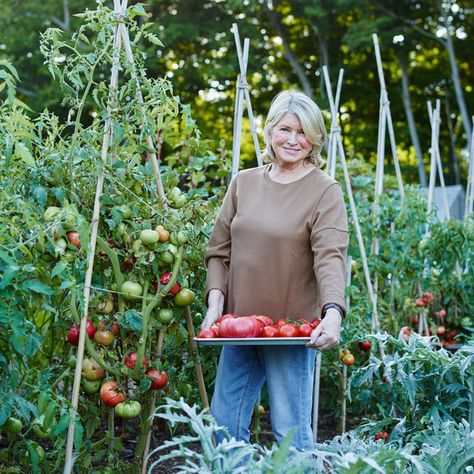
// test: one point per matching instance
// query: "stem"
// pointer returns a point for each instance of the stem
(111, 429)
(56, 383)
(471, 417)
(113, 260)
(145, 427)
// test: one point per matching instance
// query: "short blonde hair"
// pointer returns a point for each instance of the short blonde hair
(308, 113)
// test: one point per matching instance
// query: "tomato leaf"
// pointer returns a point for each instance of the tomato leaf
(22, 152)
(37, 287)
(59, 268)
(132, 320)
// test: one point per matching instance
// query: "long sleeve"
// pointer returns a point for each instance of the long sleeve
(329, 242)
(218, 249)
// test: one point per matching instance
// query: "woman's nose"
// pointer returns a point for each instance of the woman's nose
(292, 138)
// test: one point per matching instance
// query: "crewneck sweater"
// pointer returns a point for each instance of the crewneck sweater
(279, 249)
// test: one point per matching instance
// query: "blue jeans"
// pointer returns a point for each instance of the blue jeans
(289, 373)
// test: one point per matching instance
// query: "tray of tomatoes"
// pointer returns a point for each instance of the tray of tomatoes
(260, 330)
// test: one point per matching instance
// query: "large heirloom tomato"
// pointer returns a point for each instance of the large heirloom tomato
(128, 409)
(111, 395)
(131, 360)
(239, 327)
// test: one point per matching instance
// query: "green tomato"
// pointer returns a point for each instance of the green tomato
(128, 409)
(60, 246)
(39, 431)
(149, 237)
(175, 193)
(69, 220)
(181, 237)
(69, 256)
(72, 362)
(126, 211)
(165, 315)
(13, 425)
(34, 449)
(51, 213)
(166, 257)
(173, 249)
(423, 245)
(132, 290)
(91, 386)
(121, 229)
(179, 202)
(184, 298)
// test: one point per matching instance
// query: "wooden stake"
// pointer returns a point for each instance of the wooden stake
(119, 11)
(195, 355)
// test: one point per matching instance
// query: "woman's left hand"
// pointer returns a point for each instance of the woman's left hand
(328, 332)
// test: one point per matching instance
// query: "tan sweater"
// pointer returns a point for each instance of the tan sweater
(279, 249)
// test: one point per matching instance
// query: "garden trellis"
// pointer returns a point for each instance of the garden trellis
(242, 93)
(121, 39)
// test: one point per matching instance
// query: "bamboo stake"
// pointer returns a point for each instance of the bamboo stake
(344, 367)
(388, 117)
(119, 11)
(242, 92)
(151, 155)
(350, 195)
(469, 202)
(435, 119)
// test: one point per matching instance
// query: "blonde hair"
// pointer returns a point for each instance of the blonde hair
(310, 116)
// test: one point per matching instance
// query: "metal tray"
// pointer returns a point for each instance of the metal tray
(252, 341)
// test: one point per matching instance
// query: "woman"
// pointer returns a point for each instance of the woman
(278, 249)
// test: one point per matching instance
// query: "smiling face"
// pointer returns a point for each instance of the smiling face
(289, 141)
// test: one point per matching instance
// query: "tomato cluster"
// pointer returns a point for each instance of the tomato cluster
(233, 326)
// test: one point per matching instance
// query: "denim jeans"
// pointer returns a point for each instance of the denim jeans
(288, 372)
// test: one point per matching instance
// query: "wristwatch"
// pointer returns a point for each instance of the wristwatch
(335, 306)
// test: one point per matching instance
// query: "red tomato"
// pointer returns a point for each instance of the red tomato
(104, 338)
(114, 327)
(131, 360)
(281, 322)
(260, 323)
(208, 333)
(428, 298)
(215, 328)
(315, 323)
(288, 330)
(159, 379)
(269, 331)
(420, 302)
(164, 280)
(305, 329)
(74, 239)
(129, 263)
(365, 345)
(265, 319)
(239, 327)
(73, 335)
(110, 394)
(348, 359)
(441, 331)
(383, 435)
(90, 329)
(226, 316)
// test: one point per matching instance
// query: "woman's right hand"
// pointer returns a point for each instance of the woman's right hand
(215, 309)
